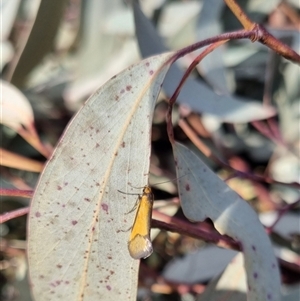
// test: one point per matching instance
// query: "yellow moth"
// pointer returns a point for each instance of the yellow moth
(139, 244)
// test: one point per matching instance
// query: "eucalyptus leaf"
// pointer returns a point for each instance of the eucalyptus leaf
(230, 285)
(204, 195)
(77, 239)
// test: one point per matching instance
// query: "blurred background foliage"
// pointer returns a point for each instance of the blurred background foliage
(57, 53)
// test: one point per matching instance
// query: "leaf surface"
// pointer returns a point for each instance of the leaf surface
(230, 285)
(78, 222)
(204, 195)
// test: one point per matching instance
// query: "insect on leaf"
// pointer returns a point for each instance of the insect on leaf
(204, 195)
(77, 246)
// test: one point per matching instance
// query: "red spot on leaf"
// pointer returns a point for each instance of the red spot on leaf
(37, 214)
(74, 223)
(105, 207)
(151, 72)
(128, 88)
(108, 287)
(59, 188)
(187, 187)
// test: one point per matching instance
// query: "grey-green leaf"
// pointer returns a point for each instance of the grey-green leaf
(204, 195)
(77, 239)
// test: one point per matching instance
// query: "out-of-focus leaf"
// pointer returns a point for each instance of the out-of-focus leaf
(230, 286)
(16, 111)
(263, 7)
(195, 94)
(17, 161)
(179, 31)
(285, 168)
(9, 9)
(85, 84)
(77, 245)
(286, 226)
(208, 25)
(294, 3)
(103, 52)
(7, 53)
(236, 55)
(18, 115)
(203, 195)
(40, 41)
(288, 101)
(207, 263)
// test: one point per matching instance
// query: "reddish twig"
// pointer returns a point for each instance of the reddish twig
(13, 214)
(185, 228)
(262, 35)
(16, 192)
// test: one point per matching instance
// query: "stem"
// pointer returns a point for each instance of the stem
(13, 214)
(173, 98)
(190, 230)
(16, 192)
(235, 35)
